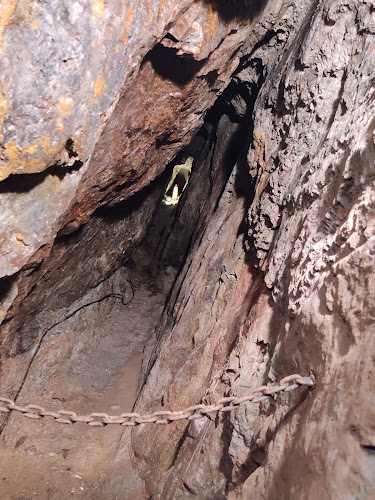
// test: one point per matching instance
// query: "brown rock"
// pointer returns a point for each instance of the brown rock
(275, 232)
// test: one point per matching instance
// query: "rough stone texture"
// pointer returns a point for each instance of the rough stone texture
(279, 277)
(210, 174)
(61, 274)
(118, 134)
(98, 77)
(89, 361)
(72, 59)
(302, 300)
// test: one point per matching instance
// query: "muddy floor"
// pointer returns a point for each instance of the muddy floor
(89, 362)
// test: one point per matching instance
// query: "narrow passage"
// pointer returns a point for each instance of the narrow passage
(90, 362)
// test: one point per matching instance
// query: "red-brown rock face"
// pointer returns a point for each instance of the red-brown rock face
(96, 75)
(276, 229)
(300, 298)
(130, 111)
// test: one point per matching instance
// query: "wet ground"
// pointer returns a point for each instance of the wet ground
(90, 362)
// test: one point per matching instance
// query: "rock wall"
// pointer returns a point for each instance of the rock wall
(290, 292)
(279, 272)
(96, 99)
(99, 77)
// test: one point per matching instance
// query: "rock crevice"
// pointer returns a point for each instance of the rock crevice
(264, 268)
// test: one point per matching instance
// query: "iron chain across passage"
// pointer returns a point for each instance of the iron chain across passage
(194, 412)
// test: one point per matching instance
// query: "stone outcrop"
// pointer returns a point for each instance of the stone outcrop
(298, 295)
(96, 75)
(149, 102)
(274, 234)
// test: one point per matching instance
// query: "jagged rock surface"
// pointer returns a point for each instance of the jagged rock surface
(118, 86)
(300, 298)
(129, 113)
(279, 272)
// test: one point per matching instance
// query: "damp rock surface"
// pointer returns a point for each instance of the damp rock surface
(100, 76)
(293, 293)
(270, 249)
(89, 362)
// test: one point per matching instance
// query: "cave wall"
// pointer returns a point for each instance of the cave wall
(99, 77)
(290, 292)
(279, 272)
(115, 92)
(63, 275)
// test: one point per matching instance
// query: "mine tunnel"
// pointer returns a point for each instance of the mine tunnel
(187, 250)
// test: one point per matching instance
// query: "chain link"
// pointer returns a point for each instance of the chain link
(225, 404)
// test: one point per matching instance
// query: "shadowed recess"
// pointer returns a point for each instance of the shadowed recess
(237, 9)
(179, 70)
(23, 183)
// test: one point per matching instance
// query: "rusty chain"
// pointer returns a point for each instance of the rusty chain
(225, 404)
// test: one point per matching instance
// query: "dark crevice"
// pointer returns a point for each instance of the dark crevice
(189, 488)
(370, 448)
(216, 149)
(126, 207)
(168, 36)
(69, 146)
(231, 114)
(335, 107)
(23, 183)
(226, 465)
(211, 77)
(298, 65)
(237, 9)
(178, 447)
(270, 35)
(178, 69)
(5, 286)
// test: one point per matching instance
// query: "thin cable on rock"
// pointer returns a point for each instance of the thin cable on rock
(115, 295)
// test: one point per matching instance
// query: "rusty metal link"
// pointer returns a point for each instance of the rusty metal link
(160, 417)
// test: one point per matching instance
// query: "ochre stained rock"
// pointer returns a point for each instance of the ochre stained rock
(278, 274)
(94, 108)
